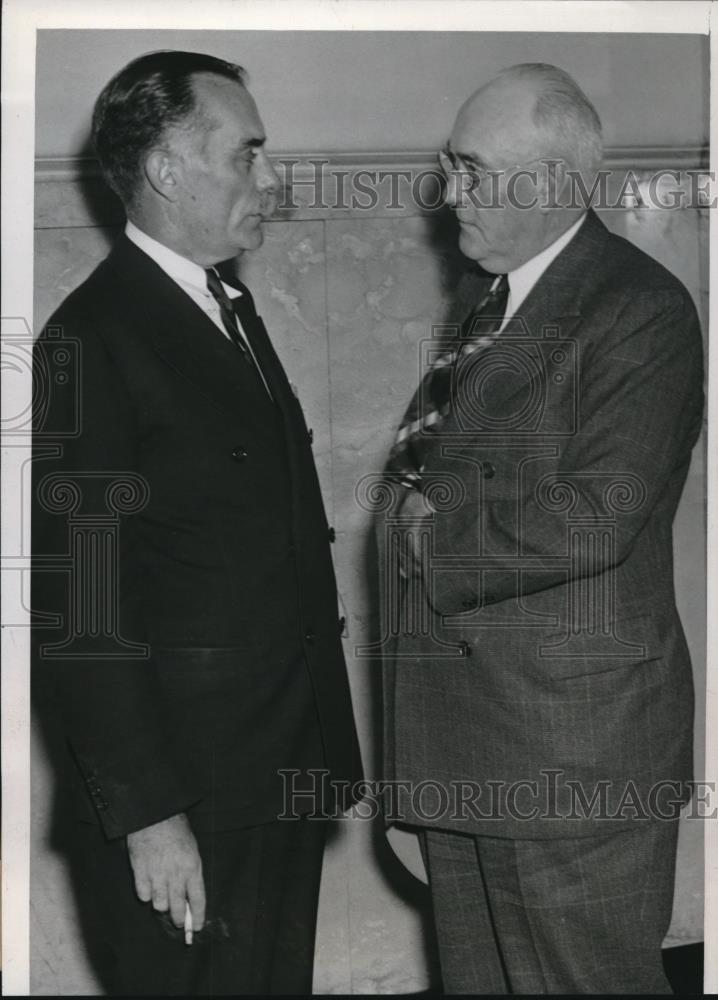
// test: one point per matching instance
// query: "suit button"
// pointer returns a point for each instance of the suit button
(489, 470)
(332, 535)
(464, 649)
(310, 432)
(239, 454)
(341, 624)
(309, 636)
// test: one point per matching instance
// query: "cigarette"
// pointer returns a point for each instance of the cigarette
(187, 924)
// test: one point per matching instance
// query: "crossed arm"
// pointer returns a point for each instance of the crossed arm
(639, 408)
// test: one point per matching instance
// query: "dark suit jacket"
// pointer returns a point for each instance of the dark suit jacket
(225, 580)
(544, 635)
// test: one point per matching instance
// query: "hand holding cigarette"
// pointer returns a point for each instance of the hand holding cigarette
(168, 871)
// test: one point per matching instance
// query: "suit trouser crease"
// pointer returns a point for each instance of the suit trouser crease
(581, 915)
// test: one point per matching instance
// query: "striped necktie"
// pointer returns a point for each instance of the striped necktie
(431, 402)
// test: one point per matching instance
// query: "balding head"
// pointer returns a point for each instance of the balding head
(534, 111)
(515, 144)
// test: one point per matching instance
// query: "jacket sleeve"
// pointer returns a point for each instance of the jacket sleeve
(103, 681)
(639, 403)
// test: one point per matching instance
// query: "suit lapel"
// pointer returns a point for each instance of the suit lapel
(285, 402)
(262, 346)
(184, 336)
(285, 399)
(552, 309)
(557, 297)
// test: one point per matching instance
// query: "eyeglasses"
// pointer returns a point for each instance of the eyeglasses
(451, 163)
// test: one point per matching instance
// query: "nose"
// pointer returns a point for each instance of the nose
(267, 179)
(450, 180)
(451, 193)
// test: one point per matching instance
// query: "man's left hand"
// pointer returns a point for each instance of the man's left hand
(414, 510)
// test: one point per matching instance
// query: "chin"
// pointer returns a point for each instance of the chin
(473, 247)
(251, 240)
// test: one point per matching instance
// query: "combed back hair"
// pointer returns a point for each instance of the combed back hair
(140, 104)
(565, 114)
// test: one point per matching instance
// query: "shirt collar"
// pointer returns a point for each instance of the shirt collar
(181, 269)
(523, 279)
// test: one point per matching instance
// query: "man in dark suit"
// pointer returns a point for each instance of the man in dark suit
(539, 698)
(201, 653)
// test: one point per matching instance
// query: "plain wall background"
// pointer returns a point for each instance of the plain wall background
(366, 91)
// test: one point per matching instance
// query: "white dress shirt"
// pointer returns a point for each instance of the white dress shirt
(185, 273)
(523, 278)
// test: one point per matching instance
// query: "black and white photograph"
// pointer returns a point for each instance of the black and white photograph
(358, 577)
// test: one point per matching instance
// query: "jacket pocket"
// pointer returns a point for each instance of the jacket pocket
(621, 643)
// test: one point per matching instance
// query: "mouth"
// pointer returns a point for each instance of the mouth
(254, 220)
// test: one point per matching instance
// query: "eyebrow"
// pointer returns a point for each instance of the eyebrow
(473, 161)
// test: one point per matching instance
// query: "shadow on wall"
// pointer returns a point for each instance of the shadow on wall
(463, 284)
(407, 888)
(62, 830)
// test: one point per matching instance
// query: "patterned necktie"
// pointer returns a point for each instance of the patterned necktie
(241, 308)
(431, 402)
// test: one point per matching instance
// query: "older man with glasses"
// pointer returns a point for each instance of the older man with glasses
(539, 694)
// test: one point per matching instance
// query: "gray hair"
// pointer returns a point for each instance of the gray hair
(564, 113)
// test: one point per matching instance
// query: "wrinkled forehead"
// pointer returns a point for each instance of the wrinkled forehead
(495, 126)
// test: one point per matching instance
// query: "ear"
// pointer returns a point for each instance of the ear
(162, 173)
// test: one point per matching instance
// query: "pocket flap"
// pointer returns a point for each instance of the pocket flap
(619, 643)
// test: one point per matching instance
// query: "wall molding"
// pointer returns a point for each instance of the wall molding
(70, 193)
(616, 158)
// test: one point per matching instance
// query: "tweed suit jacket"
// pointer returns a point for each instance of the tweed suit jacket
(225, 583)
(538, 681)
